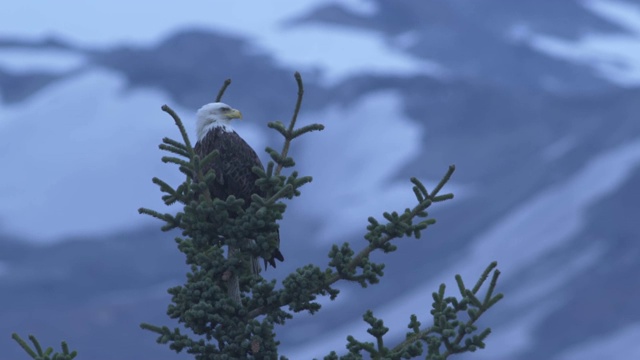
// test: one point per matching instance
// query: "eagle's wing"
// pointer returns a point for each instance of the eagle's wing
(234, 174)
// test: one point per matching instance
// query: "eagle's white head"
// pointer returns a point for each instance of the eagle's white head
(214, 115)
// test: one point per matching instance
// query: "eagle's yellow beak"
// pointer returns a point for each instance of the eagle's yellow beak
(234, 114)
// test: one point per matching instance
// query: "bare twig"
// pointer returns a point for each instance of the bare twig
(292, 124)
(222, 89)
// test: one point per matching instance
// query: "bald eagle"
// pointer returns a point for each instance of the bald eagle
(234, 162)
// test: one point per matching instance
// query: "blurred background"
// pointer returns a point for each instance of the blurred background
(534, 101)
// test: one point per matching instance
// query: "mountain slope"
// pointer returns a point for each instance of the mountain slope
(546, 149)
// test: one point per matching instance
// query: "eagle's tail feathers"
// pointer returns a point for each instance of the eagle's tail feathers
(275, 255)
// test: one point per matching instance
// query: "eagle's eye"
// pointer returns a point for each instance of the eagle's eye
(225, 109)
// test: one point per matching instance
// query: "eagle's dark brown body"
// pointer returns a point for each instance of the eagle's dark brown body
(233, 170)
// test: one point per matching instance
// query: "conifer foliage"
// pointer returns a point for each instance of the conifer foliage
(207, 304)
(244, 327)
(37, 353)
(230, 313)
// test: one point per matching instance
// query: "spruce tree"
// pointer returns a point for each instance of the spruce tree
(230, 313)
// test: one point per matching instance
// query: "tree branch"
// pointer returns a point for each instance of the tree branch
(224, 87)
(292, 124)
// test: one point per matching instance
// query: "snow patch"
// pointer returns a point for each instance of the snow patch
(625, 14)
(519, 32)
(614, 56)
(21, 61)
(342, 52)
(559, 148)
(78, 157)
(406, 39)
(353, 161)
(622, 344)
(508, 339)
(360, 7)
(518, 241)
(335, 51)
(551, 218)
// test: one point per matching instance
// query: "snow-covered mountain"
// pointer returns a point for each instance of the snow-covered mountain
(534, 101)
